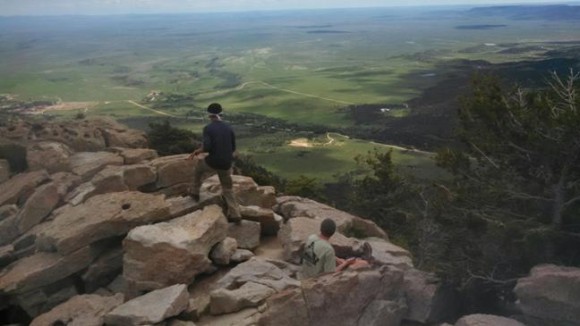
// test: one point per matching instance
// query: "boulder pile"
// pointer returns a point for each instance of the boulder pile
(100, 231)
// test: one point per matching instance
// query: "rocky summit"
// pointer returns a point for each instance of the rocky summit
(99, 230)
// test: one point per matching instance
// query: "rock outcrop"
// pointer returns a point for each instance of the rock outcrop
(550, 295)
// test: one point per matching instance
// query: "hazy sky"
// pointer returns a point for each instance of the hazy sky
(39, 7)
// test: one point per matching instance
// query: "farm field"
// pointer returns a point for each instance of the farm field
(304, 68)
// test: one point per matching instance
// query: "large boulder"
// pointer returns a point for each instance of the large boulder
(43, 269)
(550, 295)
(374, 297)
(151, 308)
(221, 253)
(51, 156)
(487, 320)
(386, 253)
(4, 170)
(101, 217)
(292, 206)
(38, 206)
(86, 310)
(269, 221)
(294, 233)
(247, 192)
(18, 188)
(248, 285)
(87, 164)
(428, 299)
(173, 170)
(135, 155)
(173, 252)
(246, 233)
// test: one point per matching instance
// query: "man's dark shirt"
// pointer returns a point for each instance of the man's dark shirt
(220, 142)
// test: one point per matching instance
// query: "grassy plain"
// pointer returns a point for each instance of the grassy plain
(298, 66)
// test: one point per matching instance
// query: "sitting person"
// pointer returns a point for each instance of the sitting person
(319, 257)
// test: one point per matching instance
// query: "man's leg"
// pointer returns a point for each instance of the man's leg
(233, 208)
(200, 169)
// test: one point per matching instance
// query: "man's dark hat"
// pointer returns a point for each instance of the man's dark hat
(214, 108)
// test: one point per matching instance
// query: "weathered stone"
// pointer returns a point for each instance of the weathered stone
(242, 255)
(324, 294)
(65, 181)
(257, 271)
(269, 221)
(38, 206)
(245, 189)
(87, 164)
(151, 308)
(136, 155)
(138, 175)
(172, 170)
(246, 317)
(294, 233)
(85, 310)
(173, 252)
(429, 300)
(551, 294)
(386, 253)
(8, 230)
(118, 135)
(49, 155)
(44, 268)
(80, 194)
(118, 285)
(6, 255)
(4, 170)
(104, 269)
(246, 233)
(41, 300)
(250, 294)
(18, 188)
(199, 295)
(286, 308)
(101, 217)
(222, 252)
(383, 312)
(292, 206)
(486, 320)
(7, 211)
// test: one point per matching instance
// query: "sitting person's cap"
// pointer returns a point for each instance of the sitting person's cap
(214, 108)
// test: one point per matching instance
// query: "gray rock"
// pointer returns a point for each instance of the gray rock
(386, 253)
(246, 233)
(8, 230)
(18, 188)
(88, 164)
(242, 255)
(49, 155)
(257, 271)
(173, 170)
(85, 310)
(247, 192)
(250, 294)
(151, 308)
(135, 155)
(6, 255)
(173, 252)
(104, 269)
(101, 217)
(222, 252)
(551, 294)
(38, 206)
(383, 312)
(487, 320)
(4, 170)
(269, 221)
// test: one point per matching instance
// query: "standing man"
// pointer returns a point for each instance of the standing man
(319, 257)
(219, 141)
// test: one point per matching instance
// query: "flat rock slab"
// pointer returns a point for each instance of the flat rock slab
(42, 269)
(17, 189)
(87, 164)
(151, 308)
(173, 252)
(81, 310)
(101, 217)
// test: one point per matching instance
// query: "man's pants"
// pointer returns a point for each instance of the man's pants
(225, 177)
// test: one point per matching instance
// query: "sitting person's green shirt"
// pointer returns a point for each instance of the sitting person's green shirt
(318, 257)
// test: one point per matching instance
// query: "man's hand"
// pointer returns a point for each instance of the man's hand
(194, 154)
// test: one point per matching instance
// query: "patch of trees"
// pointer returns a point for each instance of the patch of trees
(513, 201)
(168, 140)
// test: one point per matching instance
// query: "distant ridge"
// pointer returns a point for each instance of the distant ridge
(547, 12)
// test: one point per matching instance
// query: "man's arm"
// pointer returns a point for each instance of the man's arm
(204, 147)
